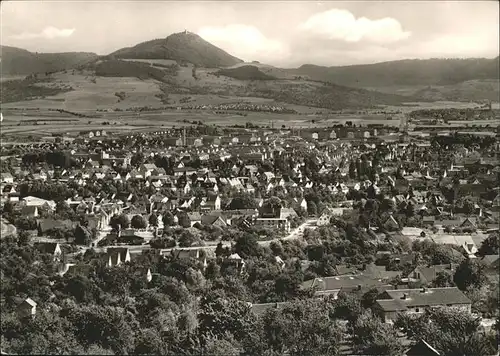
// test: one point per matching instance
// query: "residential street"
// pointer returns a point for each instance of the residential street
(294, 234)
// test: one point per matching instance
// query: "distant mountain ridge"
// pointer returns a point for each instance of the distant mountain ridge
(17, 61)
(169, 62)
(405, 72)
(182, 47)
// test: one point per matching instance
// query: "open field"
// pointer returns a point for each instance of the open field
(475, 122)
(485, 89)
(19, 123)
(112, 96)
(99, 95)
(47, 130)
(411, 106)
(165, 62)
(197, 87)
(4, 78)
(270, 70)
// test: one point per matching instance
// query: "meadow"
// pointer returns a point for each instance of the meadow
(114, 103)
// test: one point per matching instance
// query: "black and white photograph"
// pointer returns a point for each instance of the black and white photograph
(249, 178)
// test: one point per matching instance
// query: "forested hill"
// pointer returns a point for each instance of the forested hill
(406, 72)
(17, 61)
(182, 47)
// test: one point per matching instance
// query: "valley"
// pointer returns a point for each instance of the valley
(167, 83)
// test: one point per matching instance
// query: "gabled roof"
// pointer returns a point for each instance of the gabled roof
(211, 219)
(401, 299)
(235, 256)
(346, 282)
(429, 273)
(379, 272)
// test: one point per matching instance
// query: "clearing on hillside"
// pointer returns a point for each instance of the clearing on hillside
(90, 93)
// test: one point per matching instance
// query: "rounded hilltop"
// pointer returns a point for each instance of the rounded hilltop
(181, 46)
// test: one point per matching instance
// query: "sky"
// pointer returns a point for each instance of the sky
(280, 33)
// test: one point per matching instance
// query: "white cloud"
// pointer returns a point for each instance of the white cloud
(245, 42)
(47, 33)
(338, 24)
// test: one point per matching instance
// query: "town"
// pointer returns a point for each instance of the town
(208, 228)
(250, 178)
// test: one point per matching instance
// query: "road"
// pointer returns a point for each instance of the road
(7, 229)
(294, 234)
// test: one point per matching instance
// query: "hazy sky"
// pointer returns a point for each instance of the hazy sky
(286, 33)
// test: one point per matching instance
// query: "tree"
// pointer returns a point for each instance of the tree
(24, 237)
(242, 201)
(369, 298)
(451, 332)
(218, 316)
(137, 159)
(273, 203)
(118, 222)
(225, 345)
(82, 235)
(373, 337)
(149, 342)
(436, 254)
(187, 239)
(184, 220)
(247, 246)
(443, 279)
(352, 170)
(468, 206)
(302, 328)
(153, 220)
(116, 326)
(219, 250)
(470, 273)
(64, 211)
(490, 245)
(168, 219)
(138, 222)
(8, 207)
(346, 307)
(312, 208)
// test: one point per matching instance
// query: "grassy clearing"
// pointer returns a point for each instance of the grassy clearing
(166, 62)
(21, 90)
(99, 95)
(486, 89)
(5, 78)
